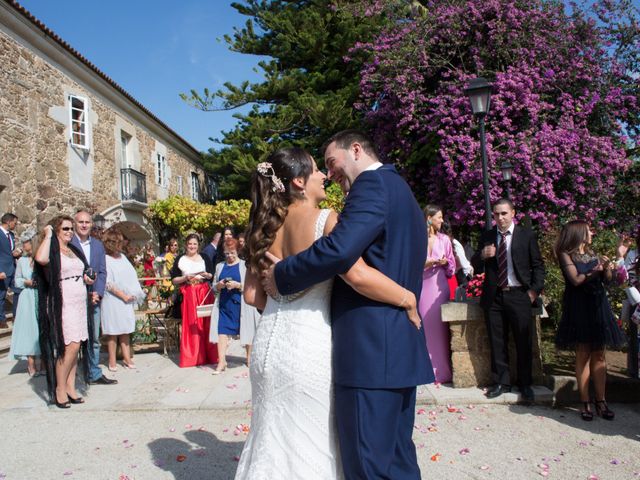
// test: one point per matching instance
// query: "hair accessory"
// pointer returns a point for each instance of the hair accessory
(266, 169)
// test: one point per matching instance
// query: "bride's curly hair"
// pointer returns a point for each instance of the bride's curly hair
(270, 200)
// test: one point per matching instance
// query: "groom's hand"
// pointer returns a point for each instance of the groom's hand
(268, 277)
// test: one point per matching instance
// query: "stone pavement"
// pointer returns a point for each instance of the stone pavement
(163, 422)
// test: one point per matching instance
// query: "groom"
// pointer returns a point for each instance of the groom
(378, 356)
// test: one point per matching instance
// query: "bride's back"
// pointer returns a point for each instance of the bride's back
(297, 233)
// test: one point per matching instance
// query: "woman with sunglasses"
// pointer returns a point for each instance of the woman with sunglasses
(65, 321)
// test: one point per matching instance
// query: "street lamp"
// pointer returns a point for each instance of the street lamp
(99, 221)
(479, 93)
(507, 172)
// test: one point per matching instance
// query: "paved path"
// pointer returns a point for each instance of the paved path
(159, 415)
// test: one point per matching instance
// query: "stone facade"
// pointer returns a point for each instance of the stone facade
(470, 351)
(41, 173)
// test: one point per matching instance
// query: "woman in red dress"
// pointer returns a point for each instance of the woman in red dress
(193, 272)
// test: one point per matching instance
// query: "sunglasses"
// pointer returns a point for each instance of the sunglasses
(67, 229)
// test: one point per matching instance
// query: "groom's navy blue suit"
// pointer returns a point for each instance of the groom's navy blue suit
(378, 355)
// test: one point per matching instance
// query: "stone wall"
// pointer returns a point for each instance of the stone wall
(42, 174)
(470, 351)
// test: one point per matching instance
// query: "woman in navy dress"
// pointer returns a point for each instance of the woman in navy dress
(587, 324)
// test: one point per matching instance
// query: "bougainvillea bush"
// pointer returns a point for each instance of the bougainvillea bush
(564, 110)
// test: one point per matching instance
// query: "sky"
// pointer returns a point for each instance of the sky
(157, 49)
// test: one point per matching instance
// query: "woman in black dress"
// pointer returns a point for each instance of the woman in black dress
(587, 323)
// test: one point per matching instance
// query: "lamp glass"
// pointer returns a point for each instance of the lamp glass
(507, 171)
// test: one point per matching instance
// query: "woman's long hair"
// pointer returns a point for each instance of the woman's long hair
(269, 205)
(50, 301)
(572, 235)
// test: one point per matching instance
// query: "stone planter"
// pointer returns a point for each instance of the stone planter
(470, 351)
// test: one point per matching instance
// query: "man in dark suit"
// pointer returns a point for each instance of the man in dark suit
(8, 255)
(95, 255)
(378, 356)
(211, 249)
(514, 276)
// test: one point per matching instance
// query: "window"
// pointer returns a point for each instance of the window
(179, 184)
(125, 141)
(161, 170)
(78, 115)
(195, 186)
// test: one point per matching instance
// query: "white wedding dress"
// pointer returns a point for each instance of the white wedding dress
(292, 433)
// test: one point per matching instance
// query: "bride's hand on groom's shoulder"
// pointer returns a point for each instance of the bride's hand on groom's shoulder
(412, 312)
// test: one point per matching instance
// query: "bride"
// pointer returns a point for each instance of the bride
(292, 428)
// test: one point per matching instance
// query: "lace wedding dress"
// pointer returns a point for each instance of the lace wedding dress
(292, 434)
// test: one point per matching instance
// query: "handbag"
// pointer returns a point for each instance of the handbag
(633, 295)
(204, 309)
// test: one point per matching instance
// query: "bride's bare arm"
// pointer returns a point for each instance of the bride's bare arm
(375, 285)
(253, 292)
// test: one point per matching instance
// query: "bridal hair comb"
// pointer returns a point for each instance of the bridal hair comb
(266, 170)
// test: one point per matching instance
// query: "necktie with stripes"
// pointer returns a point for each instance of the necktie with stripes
(503, 280)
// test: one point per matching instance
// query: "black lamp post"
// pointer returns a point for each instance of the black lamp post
(99, 221)
(479, 93)
(507, 172)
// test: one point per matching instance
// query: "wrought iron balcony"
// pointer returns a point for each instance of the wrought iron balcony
(133, 185)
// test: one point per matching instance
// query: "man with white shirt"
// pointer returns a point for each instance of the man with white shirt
(8, 255)
(94, 253)
(514, 276)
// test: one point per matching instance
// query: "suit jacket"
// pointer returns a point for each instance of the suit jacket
(525, 255)
(374, 344)
(97, 261)
(7, 262)
(209, 251)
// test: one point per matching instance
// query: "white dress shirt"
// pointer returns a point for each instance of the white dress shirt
(512, 280)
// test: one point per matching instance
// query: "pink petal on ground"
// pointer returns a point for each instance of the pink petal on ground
(202, 429)
(421, 411)
(172, 429)
(232, 386)
(593, 477)
(158, 463)
(225, 430)
(188, 426)
(544, 473)
(464, 451)
(236, 458)
(123, 477)
(615, 461)
(462, 417)
(485, 467)
(67, 473)
(125, 441)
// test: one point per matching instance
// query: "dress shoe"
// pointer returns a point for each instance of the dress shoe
(498, 390)
(104, 381)
(528, 396)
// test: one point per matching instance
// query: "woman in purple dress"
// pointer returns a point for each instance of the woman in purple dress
(440, 265)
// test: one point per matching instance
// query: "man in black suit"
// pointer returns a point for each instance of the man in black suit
(514, 277)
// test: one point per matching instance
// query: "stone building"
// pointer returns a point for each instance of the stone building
(71, 137)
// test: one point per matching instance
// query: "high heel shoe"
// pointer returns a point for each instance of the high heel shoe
(129, 366)
(112, 369)
(219, 370)
(76, 401)
(602, 409)
(586, 414)
(63, 404)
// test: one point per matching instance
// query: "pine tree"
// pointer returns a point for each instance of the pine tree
(311, 82)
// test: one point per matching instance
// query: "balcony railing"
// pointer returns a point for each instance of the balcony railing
(133, 185)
